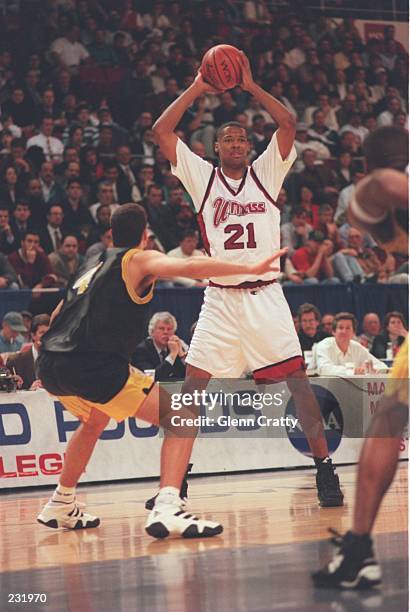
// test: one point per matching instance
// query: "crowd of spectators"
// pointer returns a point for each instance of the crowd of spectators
(81, 84)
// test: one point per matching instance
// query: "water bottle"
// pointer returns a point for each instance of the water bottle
(389, 351)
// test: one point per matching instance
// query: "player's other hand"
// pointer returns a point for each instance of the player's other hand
(268, 264)
(247, 79)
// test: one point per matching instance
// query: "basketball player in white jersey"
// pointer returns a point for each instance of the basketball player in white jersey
(245, 322)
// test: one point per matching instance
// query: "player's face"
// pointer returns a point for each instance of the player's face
(233, 147)
(309, 323)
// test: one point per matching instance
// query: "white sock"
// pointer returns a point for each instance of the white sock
(167, 496)
(64, 494)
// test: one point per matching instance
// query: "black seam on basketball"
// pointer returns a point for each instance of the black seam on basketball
(217, 71)
(237, 79)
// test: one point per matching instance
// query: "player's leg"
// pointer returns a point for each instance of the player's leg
(62, 510)
(274, 354)
(167, 516)
(378, 462)
(354, 564)
(310, 418)
(196, 379)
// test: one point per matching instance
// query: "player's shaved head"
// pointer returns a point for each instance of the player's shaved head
(387, 147)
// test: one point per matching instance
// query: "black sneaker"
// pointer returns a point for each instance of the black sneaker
(353, 566)
(328, 486)
(183, 492)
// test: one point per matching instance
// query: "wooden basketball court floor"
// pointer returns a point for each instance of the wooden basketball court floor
(275, 534)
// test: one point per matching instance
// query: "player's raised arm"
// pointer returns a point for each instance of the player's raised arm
(152, 263)
(165, 125)
(285, 120)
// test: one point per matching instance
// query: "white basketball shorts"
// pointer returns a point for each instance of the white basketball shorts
(245, 329)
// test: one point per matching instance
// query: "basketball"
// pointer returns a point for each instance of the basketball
(221, 67)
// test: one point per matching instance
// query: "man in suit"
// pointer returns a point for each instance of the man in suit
(162, 351)
(127, 176)
(51, 237)
(23, 363)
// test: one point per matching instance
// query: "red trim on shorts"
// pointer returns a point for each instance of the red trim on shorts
(245, 285)
(262, 188)
(207, 190)
(279, 371)
(225, 182)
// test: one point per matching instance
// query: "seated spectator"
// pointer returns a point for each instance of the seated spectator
(11, 339)
(8, 241)
(51, 190)
(21, 220)
(11, 190)
(326, 323)
(52, 147)
(394, 333)
(371, 328)
(162, 351)
(327, 226)
(355, 126)
(51, 237)
(187, 248)
(309, 332)
(319, 179)
(23, 362)
(67, 51)
(66, 262)
(8, 278)
(344, 171)
(27, 318)
(305, 202)
(127, 177)
(355, 262)
(94, 252)
(30, 262)
(319, 131)
(304, 141)
(393, 109)
(295, 233)
(313, 260)
(106, 197)
(336, 356)
(76, 213)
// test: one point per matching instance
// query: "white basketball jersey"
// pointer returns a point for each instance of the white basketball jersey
(241, 226)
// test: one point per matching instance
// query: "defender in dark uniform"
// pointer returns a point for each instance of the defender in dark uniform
(85, 362)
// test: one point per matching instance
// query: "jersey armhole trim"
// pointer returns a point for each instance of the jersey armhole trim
(262, 188)
(208, 189)
(128, 285)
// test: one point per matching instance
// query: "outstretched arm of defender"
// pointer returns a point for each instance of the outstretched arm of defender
(152, 263)
(164, 126)
(285, 120)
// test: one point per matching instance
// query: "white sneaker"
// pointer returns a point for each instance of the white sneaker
(69, 516)
(171, 520)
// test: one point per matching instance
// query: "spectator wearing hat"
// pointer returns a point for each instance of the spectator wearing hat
(23, 362)
(11, 339)
(313, 260)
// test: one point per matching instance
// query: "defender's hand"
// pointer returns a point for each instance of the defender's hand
(267, 264)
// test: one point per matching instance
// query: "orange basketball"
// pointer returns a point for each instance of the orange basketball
(221, 67)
